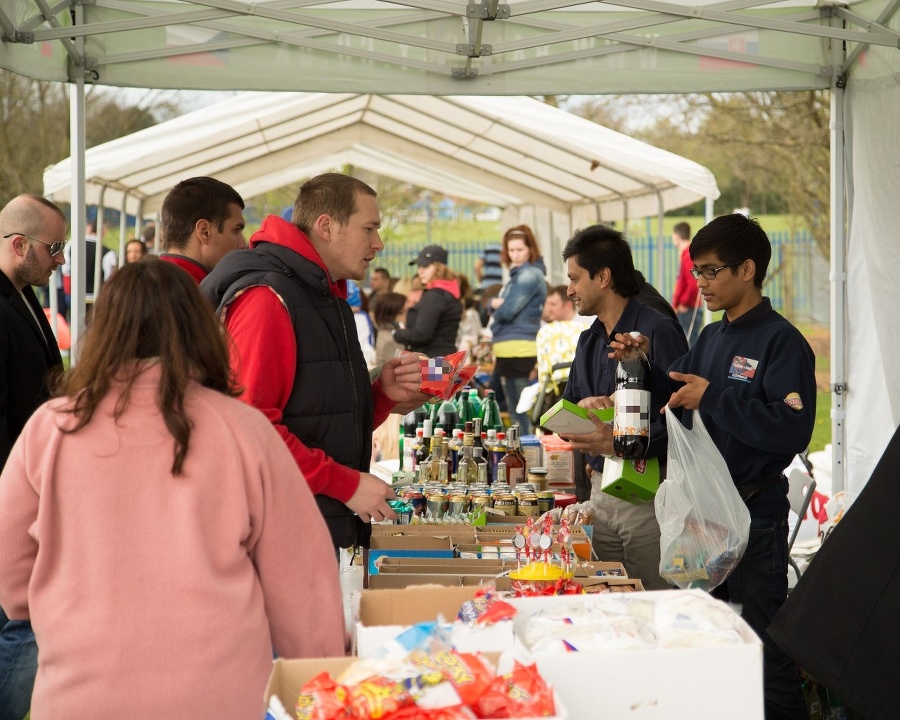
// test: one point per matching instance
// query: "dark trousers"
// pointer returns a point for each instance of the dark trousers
(759, 585)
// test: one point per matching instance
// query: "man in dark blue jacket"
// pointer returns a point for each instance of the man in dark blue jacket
(602, 282)
(752, 377)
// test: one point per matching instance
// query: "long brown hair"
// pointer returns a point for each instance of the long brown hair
(149, 310)
(526, 235)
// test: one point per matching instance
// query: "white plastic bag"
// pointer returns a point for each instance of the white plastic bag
(704, 525)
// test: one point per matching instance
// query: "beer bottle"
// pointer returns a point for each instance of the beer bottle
(631, 423)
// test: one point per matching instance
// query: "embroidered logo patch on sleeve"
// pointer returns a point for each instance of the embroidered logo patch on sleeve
(793, 401)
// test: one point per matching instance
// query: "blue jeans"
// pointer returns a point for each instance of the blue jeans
(18, 666)
(759, 585)
(512, 388)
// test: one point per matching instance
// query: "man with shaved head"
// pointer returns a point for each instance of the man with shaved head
(32, 239)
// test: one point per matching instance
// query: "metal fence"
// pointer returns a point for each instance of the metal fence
(796, 282)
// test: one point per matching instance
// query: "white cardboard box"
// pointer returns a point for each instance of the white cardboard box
(699, 683)
(385, 614)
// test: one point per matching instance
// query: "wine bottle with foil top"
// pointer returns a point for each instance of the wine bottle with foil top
(631, 422)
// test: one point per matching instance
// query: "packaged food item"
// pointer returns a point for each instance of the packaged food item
(442, 377)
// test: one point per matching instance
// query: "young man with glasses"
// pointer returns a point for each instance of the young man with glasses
(752, 377)
(32, 239)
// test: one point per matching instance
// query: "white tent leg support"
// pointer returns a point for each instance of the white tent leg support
(838, 280)
(77, 143)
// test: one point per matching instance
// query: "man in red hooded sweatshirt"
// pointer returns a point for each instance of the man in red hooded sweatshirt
(296, 350)
(202, 220)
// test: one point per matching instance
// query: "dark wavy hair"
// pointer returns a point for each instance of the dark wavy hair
(600, 246)
(734, 238)
(149, 310)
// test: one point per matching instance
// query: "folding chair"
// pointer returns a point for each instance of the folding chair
(800, 492)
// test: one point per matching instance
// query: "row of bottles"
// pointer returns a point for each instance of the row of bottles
(470, 456)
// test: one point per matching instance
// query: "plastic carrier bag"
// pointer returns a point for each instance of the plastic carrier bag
(704, 525)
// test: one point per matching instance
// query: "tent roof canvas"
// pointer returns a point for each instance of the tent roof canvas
(507, 151)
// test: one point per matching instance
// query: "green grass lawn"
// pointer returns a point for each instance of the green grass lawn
(822, 430)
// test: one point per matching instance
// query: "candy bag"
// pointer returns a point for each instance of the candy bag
(322, 699)
(442, 377)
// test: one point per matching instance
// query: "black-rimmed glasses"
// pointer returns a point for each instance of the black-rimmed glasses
(710, 273)
(55, 247)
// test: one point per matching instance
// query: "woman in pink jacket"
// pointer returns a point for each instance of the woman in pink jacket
(156, 530)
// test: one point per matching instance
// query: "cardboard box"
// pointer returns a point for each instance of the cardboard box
(567, 417)
(700, 683)
(454, 566)
(600, 569)
(634, 481)
(288, 676)
(385, 614)
(398, 581)
(594, 585)
(422, 546)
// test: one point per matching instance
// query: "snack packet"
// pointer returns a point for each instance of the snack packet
(442, 377)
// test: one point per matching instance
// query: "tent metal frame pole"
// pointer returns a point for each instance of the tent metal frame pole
(708, 215)
(838, 281)
(838, 271)
(98, 255)
(138, 215)
(660, 243)
(77, 143)
(123, 227)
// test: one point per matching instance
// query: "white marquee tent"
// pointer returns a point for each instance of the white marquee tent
(448, 47)
(544, 165)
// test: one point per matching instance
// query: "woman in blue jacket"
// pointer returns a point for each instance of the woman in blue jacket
(516, 317)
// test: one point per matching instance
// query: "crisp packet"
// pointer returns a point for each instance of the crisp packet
(442, 377)
(322, 699)
(485, 609)
(378, 697)
(522, 693)
(466, 671)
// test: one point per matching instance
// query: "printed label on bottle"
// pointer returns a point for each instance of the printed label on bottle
(516, 475)
(632, 413)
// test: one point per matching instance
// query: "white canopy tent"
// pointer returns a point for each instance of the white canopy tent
(536, 161)
(442, 47)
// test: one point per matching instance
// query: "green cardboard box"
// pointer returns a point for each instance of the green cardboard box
(567, 417)
(635, 481)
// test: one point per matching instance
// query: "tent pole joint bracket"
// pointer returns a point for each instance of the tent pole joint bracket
(839, 388)
(487, 10)
(22, 36)
(469, 50)
(465, 73)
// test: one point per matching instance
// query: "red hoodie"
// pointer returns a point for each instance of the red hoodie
(264, 356)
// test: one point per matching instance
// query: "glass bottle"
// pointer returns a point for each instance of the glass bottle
(498, 450)
(466, 471)
(423, 451)
(514, 459)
